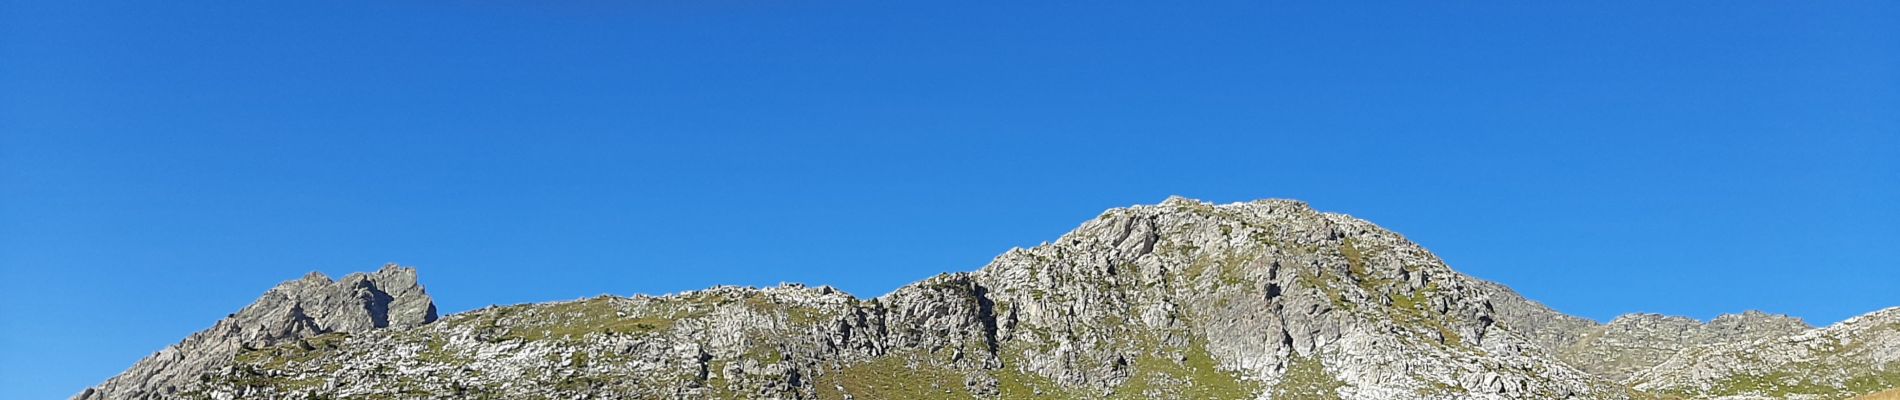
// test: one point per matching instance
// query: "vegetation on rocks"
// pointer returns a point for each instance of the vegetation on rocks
(1182, 300)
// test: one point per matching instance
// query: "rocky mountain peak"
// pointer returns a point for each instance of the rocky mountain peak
(1261, 288)
(291, 311)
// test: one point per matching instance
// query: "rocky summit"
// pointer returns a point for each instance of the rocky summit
(289, 315)
(1181, 300)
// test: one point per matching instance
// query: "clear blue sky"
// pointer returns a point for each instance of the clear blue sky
(163, 163)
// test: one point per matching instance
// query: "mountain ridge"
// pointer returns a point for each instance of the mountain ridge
(1183, 299)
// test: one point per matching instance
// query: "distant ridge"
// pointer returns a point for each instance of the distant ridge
(1268, 299)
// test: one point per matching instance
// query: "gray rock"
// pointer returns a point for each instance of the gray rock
(292, 311)
(1637, 342)
(1181, 300)
(1853, 357)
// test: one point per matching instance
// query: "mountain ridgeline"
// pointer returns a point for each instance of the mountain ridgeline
(1181, 300)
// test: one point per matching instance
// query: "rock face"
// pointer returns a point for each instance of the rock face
(290, 312)
(1184, 300)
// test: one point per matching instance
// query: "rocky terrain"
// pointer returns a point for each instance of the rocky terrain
(1181, 300)
(286, 315)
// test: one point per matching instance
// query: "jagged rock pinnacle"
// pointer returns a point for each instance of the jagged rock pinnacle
(291, 311)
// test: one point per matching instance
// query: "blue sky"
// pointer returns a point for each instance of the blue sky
(163, 163)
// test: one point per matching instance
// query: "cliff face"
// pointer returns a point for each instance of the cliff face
(1267, 299)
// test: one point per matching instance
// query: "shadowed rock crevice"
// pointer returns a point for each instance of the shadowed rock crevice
(986, 314)
(378, 306)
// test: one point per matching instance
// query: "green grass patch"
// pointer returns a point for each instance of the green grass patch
(1192, 373)
(892, 377)
(1306, 379)
(294, 352)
